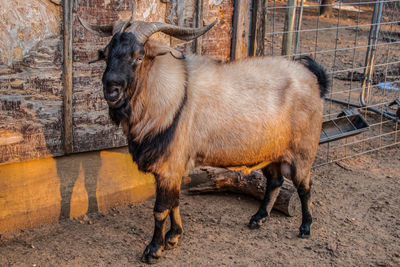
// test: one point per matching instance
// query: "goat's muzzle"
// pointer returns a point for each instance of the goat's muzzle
(112, 93)
(114, 96)
(114, 86)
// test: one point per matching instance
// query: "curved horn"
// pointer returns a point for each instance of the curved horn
(109, 29)
(143, 30)
(100, 30)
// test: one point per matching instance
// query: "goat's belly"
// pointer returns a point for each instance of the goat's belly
(243, 157)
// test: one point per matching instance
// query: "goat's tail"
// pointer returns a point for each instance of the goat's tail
(318, 71)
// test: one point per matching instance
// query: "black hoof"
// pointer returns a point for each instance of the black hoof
(171, 240)
(256, 221)
(254, 225)
(304, 231)
(152, 253)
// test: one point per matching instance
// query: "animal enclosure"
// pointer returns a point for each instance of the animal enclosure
(358, 43)
(356, 202)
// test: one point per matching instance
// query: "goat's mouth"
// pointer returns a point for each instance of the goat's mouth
(116, 103)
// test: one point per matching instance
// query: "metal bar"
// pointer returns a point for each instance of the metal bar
(354, 155)
(355, 128)
(334, 57)
(337, 126)
(316, 38)
(347, 103)
(343, 49)
(366, 139)
(383, 113)
(370, 55)
(335, 28)
(361, 68)
(354, 52)
(335, 4)
(67, 75)
(289, 26)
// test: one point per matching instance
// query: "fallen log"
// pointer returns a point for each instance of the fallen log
(210, 180)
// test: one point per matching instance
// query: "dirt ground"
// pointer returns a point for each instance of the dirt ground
(356, 208)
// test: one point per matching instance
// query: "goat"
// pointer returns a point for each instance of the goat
(181, 111)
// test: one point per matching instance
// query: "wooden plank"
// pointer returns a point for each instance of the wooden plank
(67, 74)
(240, 29)
(289, 27)
(257, 28)
(198, 23)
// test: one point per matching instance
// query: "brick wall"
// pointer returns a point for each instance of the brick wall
(217, 42)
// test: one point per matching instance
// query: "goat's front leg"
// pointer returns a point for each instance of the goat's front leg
(173, 235)
(167, 202)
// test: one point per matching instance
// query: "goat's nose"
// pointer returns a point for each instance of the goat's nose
(113, 85)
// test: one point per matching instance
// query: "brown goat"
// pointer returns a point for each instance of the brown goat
(180, 112)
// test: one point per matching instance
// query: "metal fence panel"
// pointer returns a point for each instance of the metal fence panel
(359, 45)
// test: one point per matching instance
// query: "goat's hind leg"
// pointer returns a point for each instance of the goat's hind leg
(274, 182)
(304, 191)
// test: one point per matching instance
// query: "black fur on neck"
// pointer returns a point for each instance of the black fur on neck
(152, 148)
(119, 114)
(147, 152)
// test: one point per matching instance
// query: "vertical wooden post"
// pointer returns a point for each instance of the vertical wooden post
(289, 26)
(67, 74)
(257, 28)
(240, 29)
(198, 23)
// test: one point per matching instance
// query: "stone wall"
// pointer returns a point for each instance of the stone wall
(30, 80)
(31, 89)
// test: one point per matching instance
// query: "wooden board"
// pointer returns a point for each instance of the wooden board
(258, 28)
(241, 28)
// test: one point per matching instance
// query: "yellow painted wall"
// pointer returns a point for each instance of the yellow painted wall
(42, 191)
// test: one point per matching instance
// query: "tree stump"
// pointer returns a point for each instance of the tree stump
(210, 180)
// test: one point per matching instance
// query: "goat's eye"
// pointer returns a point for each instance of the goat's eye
(138, 60)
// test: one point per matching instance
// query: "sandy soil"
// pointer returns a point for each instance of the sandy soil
(356, 208)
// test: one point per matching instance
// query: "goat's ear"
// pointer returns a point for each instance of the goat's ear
(100, 56)
(153, 51)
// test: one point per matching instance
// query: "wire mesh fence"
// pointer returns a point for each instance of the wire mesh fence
(358, 43)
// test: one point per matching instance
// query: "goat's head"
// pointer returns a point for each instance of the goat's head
(127, 49)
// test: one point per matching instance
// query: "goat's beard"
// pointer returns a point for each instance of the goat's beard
(121, 113)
